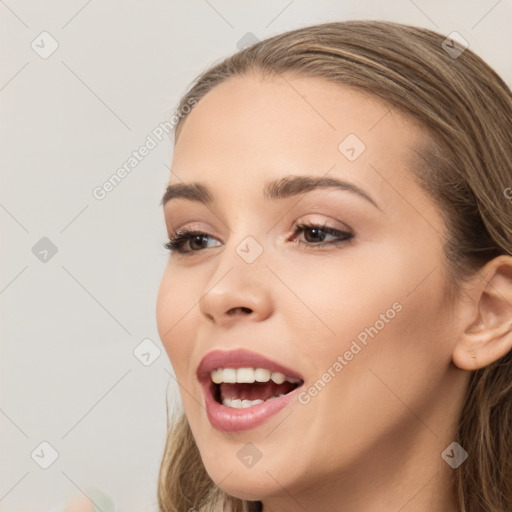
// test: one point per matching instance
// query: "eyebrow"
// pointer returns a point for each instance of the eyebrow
(287, 186)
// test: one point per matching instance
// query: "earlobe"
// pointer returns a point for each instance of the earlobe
(478, 351)
(488, 335)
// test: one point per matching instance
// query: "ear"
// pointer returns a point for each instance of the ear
(487, 334)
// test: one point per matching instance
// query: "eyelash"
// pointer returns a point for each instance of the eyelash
(180, 237)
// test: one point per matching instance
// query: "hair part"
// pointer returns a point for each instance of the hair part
(464, 164)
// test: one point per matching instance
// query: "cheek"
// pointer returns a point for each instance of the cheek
(394, 341)
(174, 313)
(381, 391)
(413, 347)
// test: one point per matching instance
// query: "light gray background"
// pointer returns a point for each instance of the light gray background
(70, 325)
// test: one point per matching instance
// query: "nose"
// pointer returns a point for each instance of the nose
(238, 291)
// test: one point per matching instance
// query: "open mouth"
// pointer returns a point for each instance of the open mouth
(241, 388)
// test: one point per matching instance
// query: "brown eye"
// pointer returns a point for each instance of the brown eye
(315, 235)
(196, 239)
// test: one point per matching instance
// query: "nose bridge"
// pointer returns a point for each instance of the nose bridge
(245, 245)
(240, 280)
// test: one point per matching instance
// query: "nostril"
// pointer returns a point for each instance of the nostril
(242, 309)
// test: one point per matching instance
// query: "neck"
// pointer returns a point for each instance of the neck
(406, 475)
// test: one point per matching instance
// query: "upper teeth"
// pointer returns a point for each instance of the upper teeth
(249, 375)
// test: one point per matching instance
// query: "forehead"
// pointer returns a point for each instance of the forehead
(247, 130)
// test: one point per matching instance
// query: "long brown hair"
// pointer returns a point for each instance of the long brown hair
(465, 163)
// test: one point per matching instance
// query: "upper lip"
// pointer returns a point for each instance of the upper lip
(240, 358)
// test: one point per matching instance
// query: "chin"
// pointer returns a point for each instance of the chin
(250, 484)
(250, 489)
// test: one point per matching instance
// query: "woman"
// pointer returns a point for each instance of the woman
(337, 303)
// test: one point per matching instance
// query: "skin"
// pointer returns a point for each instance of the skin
(79, 503)
(371, 440)
(90, 501)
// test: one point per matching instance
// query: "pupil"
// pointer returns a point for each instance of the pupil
(317, 231)
(198, 238)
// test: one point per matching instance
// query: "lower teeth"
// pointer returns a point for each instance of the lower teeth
(237, 403)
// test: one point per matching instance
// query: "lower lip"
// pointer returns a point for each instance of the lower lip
(229, 419)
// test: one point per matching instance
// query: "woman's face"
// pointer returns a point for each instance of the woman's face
(357, 316)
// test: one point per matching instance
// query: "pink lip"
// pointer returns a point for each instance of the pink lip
(240, 358)
(229, 419)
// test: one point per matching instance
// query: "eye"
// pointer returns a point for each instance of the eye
(179, 238)
(198, 240)
(319, 233)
